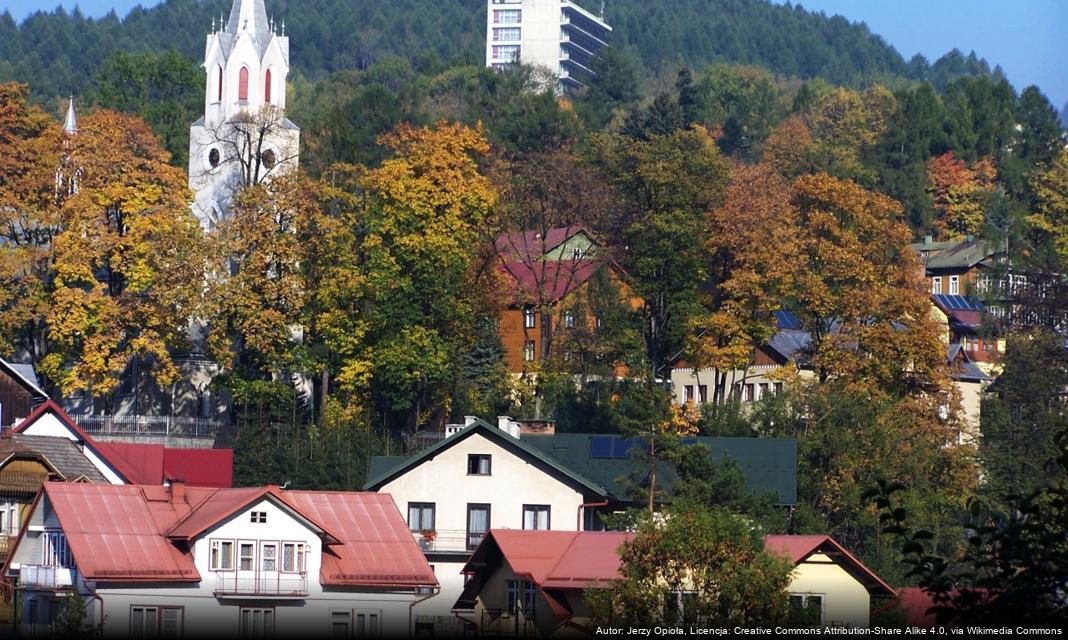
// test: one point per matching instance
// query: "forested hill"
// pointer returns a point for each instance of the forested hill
(58, 53)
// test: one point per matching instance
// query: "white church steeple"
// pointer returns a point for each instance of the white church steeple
(70, 125)
(247, 64)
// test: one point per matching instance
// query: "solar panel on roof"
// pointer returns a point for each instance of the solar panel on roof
(601, 446)
(787, 320)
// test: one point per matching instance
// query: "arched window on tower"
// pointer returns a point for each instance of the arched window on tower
(219, 73)
(267, 87)
(242, 85)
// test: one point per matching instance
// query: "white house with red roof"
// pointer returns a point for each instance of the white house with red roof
(532, 583)
(178, 561)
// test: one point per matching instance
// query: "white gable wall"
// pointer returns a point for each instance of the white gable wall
(443, 480)
(50, 425)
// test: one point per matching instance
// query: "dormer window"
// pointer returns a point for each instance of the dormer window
(242, 85)
(259, 517)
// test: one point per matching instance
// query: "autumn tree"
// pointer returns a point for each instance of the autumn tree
(400, 301)
(752, 257)
(961, 194)
(1049, 220)
(128, 262)
(667, 184)
(859, 291)
(694, 566)
(32, 146)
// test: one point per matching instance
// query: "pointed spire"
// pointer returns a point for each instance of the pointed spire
(250, 16)
(71, 123)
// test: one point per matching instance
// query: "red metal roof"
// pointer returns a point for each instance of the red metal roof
(798, 548)
(200, 467)
(548, 281)
(377, 548)
(127, 533)
(562, 559)
(114, 536)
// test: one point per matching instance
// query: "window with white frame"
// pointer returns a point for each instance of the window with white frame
(954, 285)
(936, 285)
(688, 393)
(269, 556)
(506, 52)
(569, 319)
(530, 318)
(246, 556)
(222, 555)
(528, 351)
(156, 622)
(9, 519)
(55, 550)
(536, 517)
(293, 557)
(507, 16)
(507, 34)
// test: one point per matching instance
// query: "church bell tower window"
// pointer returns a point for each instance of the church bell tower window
(242, 85)
(219, 73)
(267, 87)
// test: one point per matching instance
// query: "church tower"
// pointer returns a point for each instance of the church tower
(244, 137)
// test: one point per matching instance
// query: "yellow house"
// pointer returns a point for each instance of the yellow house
(829, 581)
(531, 583)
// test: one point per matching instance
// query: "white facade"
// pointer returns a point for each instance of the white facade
(518, 494)
(557, 36)
(247, 64)
(273, 591)
(748, 386)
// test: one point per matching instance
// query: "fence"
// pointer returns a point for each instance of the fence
(150, 426)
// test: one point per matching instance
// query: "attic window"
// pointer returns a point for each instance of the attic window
(478, 465)
(259, 517)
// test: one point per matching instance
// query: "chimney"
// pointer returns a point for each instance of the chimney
(509, 426)
(177, 490)
(469, 420)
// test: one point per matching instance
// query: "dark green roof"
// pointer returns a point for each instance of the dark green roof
(383, 469)
(769, 464)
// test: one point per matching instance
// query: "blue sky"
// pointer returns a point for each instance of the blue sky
(1028, 38)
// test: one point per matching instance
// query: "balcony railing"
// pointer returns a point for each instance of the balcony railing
(149, 426)
(33, 576)
(446, 541)
(497, 623)
(263, 584)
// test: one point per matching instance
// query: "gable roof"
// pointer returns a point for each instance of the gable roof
(961, 255)
(62, 455)
(769, 464)
(548, 280)
(120, 466)
(131, 533)
(140, 463)
(520, 448)
(25, 376)
(799, 548)
(532, 245)
(552, 560)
